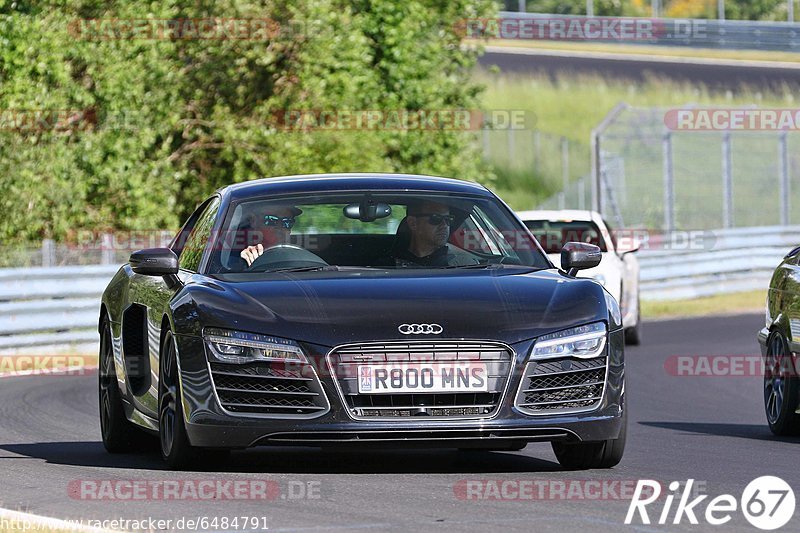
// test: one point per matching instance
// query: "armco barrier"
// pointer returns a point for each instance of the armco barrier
(51, 308)
(734, 260)
(57, 308)
(695, 33)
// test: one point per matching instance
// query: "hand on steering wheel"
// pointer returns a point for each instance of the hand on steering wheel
(251, 253)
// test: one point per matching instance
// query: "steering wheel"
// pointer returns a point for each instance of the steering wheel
(285, 256)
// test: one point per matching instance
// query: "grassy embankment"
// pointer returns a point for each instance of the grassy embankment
(572, 106)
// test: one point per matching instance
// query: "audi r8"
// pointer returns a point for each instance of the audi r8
(304, 311)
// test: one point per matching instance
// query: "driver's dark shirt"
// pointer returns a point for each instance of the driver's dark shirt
(438, 258)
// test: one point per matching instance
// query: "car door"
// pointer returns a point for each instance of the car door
(149, 302)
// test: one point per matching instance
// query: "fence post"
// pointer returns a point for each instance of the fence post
(727, 182)
(511, 147)
(562, 200)
(48, 252)
(564, 164)
(669, 183)
(597, 172)
(107, 255)
(783, 156)
(581, 194)
(521, 4)
(485, 142)
(597, 162)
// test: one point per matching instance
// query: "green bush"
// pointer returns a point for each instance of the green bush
(159, 124)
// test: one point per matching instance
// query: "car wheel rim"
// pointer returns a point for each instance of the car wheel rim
(774, 380)
(167, 418)
(105, 381)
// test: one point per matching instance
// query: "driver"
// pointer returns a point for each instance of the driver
(271, 224)
(429, 225)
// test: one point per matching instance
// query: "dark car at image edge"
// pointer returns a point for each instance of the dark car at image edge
(322, 343)
(780, 345)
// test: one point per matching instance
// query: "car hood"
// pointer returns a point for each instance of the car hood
(509, 305)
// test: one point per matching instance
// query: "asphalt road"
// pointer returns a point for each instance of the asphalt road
(721, 75)
(711, 429)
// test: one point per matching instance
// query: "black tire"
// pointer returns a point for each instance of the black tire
(781, 388)
(176, 449)
(633, 335)
(118, 433)
(585, 455)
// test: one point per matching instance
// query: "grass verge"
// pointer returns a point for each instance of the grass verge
(728, 304)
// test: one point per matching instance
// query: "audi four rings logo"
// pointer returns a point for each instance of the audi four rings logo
(420, 329)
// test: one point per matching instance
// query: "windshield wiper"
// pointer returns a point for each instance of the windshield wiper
(478, 265)
(492, 266)
(320, 268)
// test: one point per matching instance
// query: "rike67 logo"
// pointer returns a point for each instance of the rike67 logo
(767, 502)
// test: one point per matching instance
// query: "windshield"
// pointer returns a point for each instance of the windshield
(370, 230)
(553, 235)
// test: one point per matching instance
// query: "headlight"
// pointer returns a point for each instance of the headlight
(583, 342)
(228, 346)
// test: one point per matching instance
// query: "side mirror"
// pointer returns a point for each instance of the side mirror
(577, 256)
(154, 262)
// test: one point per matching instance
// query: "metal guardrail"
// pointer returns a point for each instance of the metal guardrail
(701, 33)
(735, 260)
(57, 308)
(53, 308)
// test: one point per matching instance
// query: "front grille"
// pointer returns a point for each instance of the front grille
(562, 385)
(344, 362)
(269, 389)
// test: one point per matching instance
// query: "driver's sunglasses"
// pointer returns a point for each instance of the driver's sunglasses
(272, 220)
(434, 219)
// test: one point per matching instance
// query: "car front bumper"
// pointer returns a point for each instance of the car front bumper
(210, 426)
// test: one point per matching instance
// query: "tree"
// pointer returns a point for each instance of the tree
(152, 125)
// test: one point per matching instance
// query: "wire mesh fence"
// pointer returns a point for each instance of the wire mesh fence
(650, 174)
(538, 159)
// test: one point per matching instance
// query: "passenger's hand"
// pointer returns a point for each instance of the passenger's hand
(251, 253)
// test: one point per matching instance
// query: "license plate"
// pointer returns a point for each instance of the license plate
(422, 378)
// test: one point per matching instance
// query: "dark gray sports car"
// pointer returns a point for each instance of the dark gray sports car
(360, 310)
(780, 345)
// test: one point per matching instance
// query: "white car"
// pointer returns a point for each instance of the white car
(618, 271)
